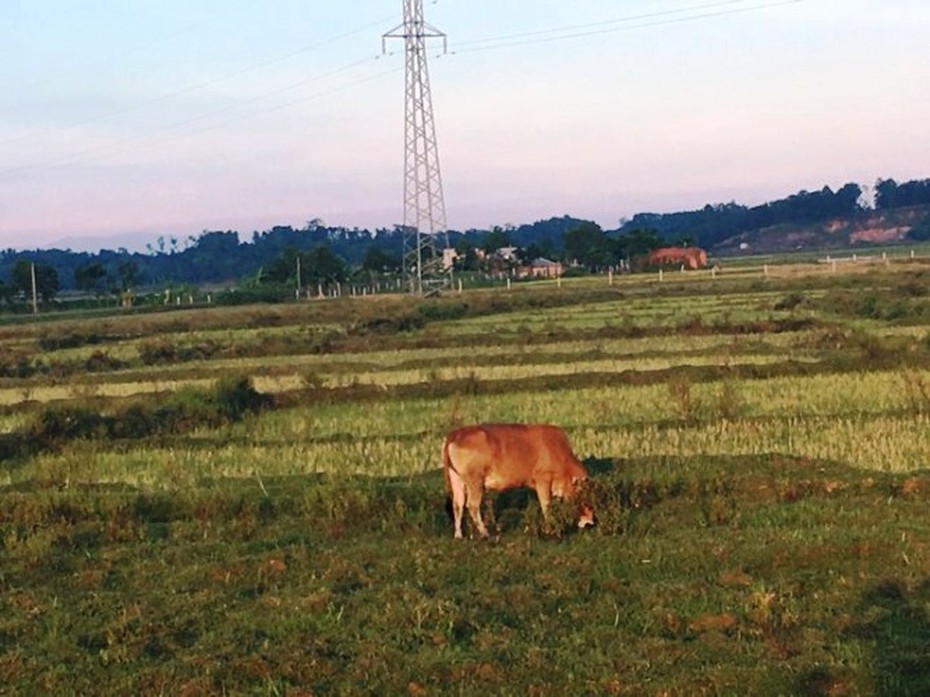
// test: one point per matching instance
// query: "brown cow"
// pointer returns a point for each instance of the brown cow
(508, 456)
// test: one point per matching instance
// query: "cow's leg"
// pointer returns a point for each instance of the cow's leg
(457, 487)
(474, 492)
(544, 493)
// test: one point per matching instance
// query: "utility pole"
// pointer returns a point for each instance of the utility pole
(35, 290)
(424, 207)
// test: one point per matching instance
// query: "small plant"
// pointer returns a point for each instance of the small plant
(730, 403)
(311, 380)
(679, 391)
(790, 301)
(917, 390)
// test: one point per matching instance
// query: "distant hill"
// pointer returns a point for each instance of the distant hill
(807, 220)
(896, 226)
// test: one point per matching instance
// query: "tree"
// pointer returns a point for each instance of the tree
(319, 266)
(128, 274)
(639, 242)
(379, 261)
(589, 246)
(921, 231)
(46, 279)
(89, 276)
(322, 265)
(890, 194)
(497, 238)
(7, 293)
(466, 255)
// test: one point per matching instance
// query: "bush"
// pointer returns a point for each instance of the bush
(789, 302)
(443, 311)
(102, 361)
(54, 425)
(230, 400)
(235, 397)
(390, 325)
(16, 366)
(157, 352)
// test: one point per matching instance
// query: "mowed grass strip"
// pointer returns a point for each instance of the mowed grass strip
(864, 420)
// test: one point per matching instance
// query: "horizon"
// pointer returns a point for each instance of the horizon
(171, 119)
(144, 241)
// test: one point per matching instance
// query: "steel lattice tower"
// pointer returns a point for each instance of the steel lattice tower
(424, 207)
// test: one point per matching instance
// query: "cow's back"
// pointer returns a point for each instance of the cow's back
(507, 456)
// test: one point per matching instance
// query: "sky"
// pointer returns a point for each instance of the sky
(125, 120)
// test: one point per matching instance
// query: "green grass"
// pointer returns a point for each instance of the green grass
(759, 458)
(736, 575)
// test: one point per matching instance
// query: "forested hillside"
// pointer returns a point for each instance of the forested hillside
(714, 225)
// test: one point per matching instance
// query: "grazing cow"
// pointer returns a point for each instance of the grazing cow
(508, 456)
(690, 257)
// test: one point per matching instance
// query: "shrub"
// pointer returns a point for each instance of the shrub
(390, 325)
(157, 352)
(54, 425)
(443, 311)
(235, 397)
(198, 352)
(53, 342)
(230, 400)
(16, 366)
(790, 301)
(102, 361)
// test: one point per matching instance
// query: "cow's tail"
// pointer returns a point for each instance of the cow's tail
(447, 476)
(447, 466)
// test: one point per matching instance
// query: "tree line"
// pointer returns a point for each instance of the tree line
(319, 255)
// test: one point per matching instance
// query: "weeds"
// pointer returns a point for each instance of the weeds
(917, 391)
(55, 427)
(679, 392)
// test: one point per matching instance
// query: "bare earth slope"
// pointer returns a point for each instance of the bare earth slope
(868, 228)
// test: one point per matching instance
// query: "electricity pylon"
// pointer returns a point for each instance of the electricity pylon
(424, 206)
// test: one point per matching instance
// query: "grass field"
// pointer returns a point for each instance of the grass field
(248, 500)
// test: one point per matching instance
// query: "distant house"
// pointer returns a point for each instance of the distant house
(540, 268)
(685, 257)
(449, 256)
(507, 253)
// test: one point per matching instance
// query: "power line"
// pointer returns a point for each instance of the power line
(685, 14)
(641, 21)
(200, 86)
(95, 153)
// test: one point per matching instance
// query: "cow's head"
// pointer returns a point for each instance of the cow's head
(585, 516)
(585, 510)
